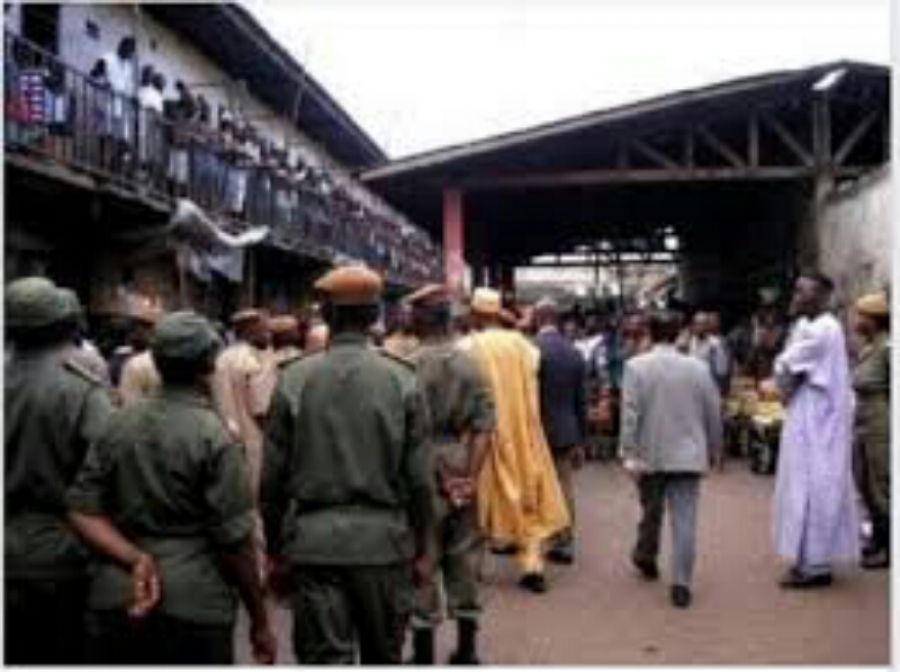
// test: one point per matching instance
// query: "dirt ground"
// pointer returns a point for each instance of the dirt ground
(600, 612)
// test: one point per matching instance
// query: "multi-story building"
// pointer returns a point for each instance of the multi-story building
(237, 190)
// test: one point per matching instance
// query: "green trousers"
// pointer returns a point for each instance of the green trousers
(44, 621)
(872, 468)
(562, 460)
(457, 548)
(114, 638)
(341, 612)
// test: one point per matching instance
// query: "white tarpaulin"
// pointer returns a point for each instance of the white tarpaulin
(209, 246)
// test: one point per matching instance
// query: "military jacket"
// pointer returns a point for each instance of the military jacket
(346, 460)
(871, 381)
(54, 409)
(459, 400)
(171, 478)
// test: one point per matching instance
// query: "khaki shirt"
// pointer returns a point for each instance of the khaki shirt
(273, 361)
(346, 458)
(92, 361)
(239, 394)
(401, 345)
(54, 409)
(173, 480)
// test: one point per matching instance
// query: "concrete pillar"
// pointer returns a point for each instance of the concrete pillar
(808, 230)
(454, 240)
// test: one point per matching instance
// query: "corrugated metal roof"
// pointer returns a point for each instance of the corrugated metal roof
(768, 84)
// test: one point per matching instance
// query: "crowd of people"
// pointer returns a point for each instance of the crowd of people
(167, 138)
(359, 475)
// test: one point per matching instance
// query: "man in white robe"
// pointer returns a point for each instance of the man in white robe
(816, 521)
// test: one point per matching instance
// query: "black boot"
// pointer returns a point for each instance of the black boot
(467, 644)
(423, 647)
(878, 555)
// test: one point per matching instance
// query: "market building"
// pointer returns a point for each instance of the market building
(737, 186)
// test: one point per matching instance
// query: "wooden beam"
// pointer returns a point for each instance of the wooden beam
(730, 155)
(689, 147)
(653, 154)
(612, 176)
(622, 161)
(821, 115)
(789, 140)
(855, 136)
(753, 139)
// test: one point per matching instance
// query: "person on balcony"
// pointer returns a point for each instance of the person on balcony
(282, 186)
(235, 139)
(150, 98)
(60, 114)
(179, 115)
(256, 159)
(206, 163)
(99, 104)
(120, 69)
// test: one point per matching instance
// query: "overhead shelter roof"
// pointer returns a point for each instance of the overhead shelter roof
(232, 38)
(637, 165)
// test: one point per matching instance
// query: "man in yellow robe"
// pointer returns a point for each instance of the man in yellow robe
(520, 502)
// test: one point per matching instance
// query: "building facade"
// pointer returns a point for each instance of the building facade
(238, 191)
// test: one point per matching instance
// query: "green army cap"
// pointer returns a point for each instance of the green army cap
(184, 335)
(75, 309)
(34, 303)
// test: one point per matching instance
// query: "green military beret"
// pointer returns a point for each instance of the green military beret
(33, 303)
(184, 335)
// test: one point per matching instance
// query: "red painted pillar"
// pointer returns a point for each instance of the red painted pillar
(454, 228)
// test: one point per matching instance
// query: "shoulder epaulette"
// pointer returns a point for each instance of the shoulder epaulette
(79, 369)
(397, 358)
(296, 357)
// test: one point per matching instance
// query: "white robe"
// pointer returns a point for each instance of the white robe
(816, 520)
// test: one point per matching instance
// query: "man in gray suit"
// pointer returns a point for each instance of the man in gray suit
(671, 430)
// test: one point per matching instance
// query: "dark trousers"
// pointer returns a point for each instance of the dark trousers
(562, 460)
(681, 491)
(116, 639)
(338, 608)
(871, 469)
(44, 621)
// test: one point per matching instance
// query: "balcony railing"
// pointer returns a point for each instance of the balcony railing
(62, 115)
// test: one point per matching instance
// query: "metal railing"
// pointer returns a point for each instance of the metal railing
(65, 116)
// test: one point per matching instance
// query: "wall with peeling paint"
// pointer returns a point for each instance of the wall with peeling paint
(854, 236)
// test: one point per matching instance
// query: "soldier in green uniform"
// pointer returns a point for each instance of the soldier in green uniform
(348, 492)
(172, 480)
(462, 423)
(872, 455)
(54, 408)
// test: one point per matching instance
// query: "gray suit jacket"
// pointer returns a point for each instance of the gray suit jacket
(671, 412)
